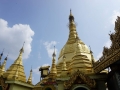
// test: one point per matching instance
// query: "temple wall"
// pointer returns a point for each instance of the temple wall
(18, 87)
(60, 86)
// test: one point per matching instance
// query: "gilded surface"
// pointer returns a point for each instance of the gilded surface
(30, 77)
(70, 46)
(16, 70)
(83, 79)
(53, 71)
(74, 44)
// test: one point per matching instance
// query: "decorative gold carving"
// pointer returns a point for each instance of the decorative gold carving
(85, 79)
(48, 81)
(107, 61)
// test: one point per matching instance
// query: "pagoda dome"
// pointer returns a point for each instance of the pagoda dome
(74, 44)
(70, 49)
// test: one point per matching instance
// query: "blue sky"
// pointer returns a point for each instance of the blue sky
(43, 24)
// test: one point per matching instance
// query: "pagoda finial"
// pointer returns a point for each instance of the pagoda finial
(71, 17)
(22, 50)
(30, 77)
(53, 70)
(70, 12)
(1, 56)
(4, 64)
(6, 56)
(90, 50)
(31, 69)
(54, 55)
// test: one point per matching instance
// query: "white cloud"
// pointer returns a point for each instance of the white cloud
(50, 47)
(114, 16)
(36, 70)
(12, 38)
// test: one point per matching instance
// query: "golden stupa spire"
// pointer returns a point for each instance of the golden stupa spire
(16, 69)
(53, 70)
(71, 17)
(30, 77)
(3, 66)
(71, 13)
(19, 59)
(1, 57)
(72, 29)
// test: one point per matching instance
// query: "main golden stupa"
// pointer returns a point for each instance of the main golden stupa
(74, 68)
(78, 55)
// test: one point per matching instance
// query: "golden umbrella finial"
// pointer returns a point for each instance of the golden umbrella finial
(70, 12)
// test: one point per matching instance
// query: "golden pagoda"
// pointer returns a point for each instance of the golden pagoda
(30, 77)
(14, 77)
(74, 68)
(74, 49)
(16, 70)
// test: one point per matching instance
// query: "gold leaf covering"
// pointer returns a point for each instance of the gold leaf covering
(16, 70)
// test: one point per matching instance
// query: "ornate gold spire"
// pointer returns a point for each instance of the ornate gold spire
(30, 77)
(19, 59)
(53, 70)
(71, 13)
(16, 69)
(70, 50)
(3, 66)
(72, 29)
(71, 17)
(1, 57)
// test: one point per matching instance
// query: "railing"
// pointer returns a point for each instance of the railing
(106, 61)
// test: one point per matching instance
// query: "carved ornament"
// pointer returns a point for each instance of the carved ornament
(3, 84)
(83, 79)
